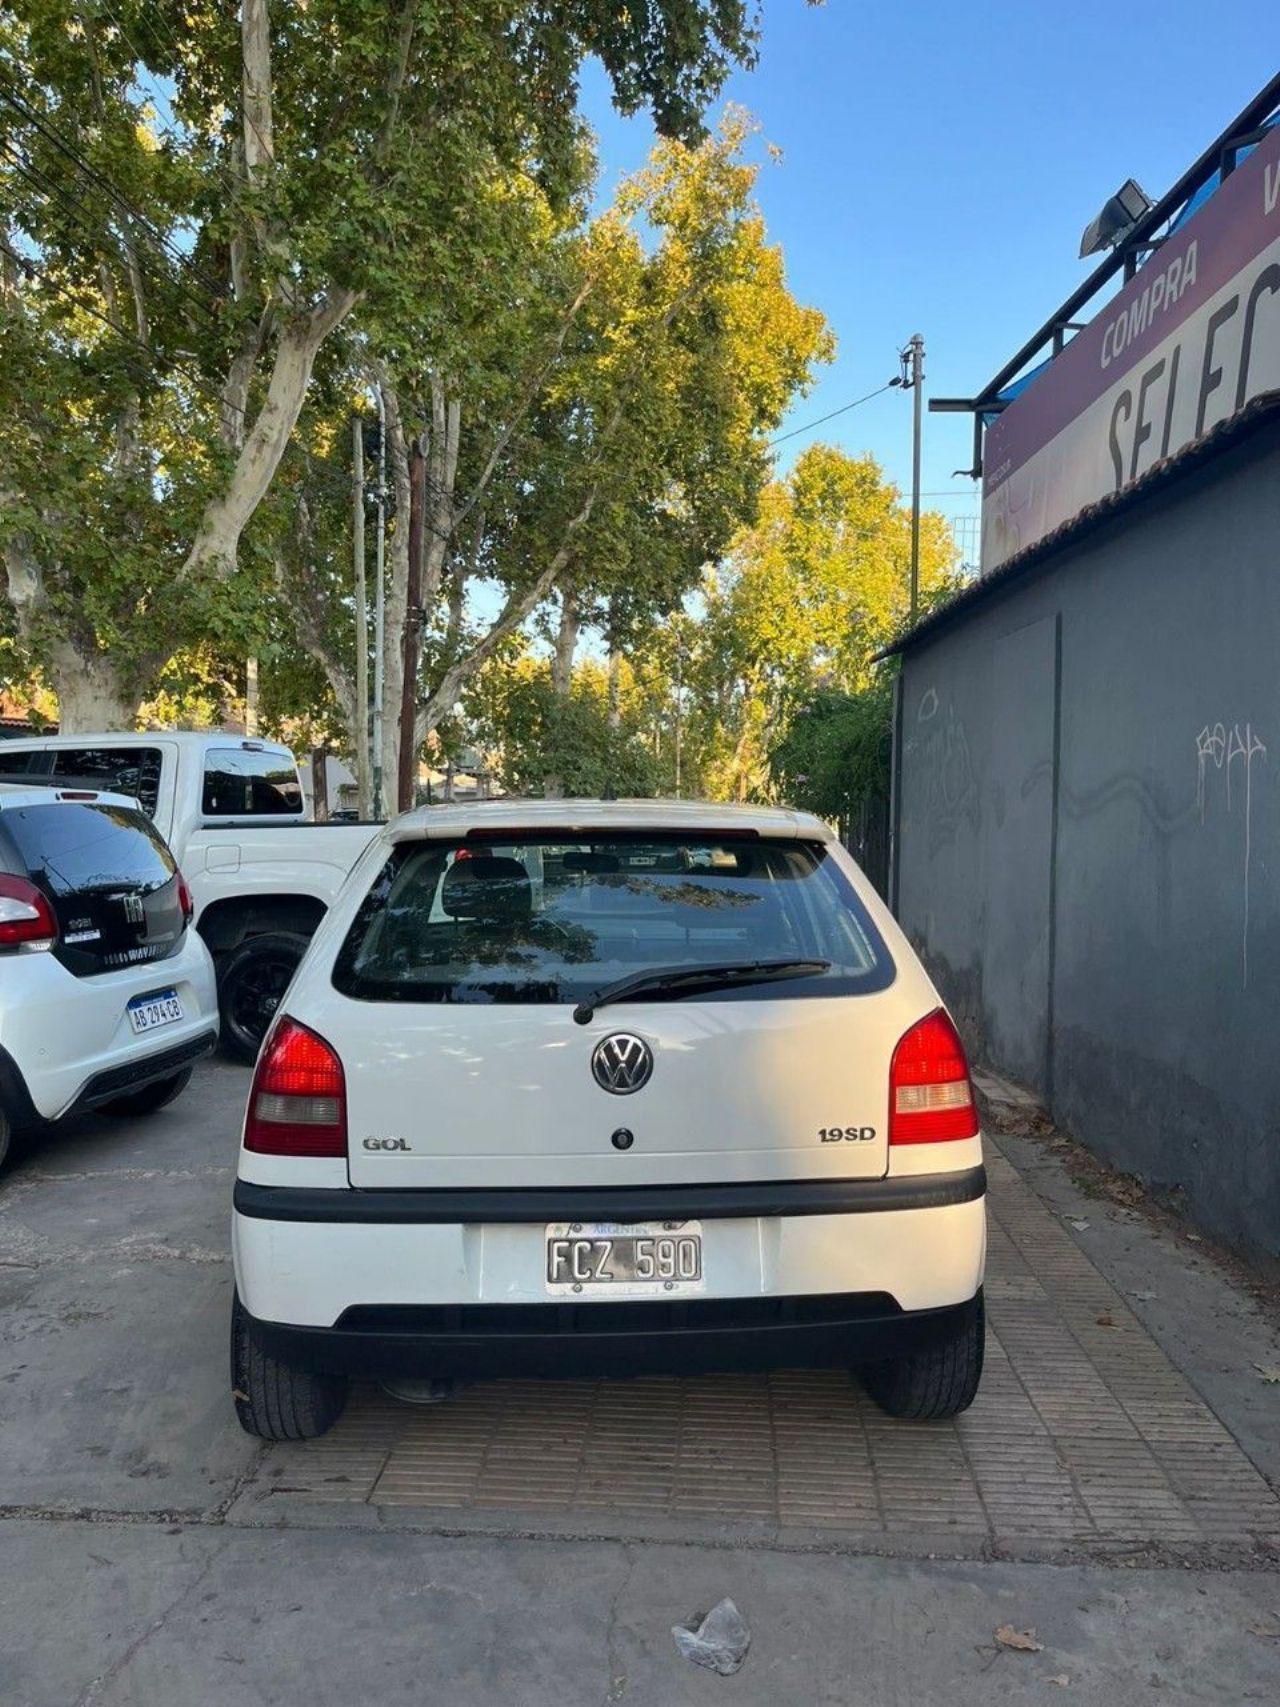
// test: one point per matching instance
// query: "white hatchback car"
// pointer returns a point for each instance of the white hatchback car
(612, 1087)
(106, 996)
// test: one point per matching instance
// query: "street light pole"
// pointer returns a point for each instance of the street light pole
(915, 357)
(679, 703)
(364, 792)
(380, 607)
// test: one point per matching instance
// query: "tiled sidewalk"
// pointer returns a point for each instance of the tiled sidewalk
(1084, 1436)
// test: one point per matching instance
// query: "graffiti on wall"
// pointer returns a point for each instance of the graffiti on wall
(940, 743)
(1231, 753)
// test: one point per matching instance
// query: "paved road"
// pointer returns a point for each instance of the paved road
(506, 1547)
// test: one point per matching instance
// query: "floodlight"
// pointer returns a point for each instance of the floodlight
(1118, 217)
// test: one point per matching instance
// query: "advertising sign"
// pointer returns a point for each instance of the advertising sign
(1183, 347)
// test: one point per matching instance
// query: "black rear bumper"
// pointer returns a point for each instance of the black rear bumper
(630, 1337)
(707, 1201)
(135, 1075)
(16, 1101)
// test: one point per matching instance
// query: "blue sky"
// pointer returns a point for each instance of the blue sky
(939, 163)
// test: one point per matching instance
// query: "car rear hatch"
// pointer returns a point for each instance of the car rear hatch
(112, 882)
(466, 1066)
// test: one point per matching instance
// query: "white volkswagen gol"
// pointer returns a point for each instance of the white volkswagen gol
(607, 1087)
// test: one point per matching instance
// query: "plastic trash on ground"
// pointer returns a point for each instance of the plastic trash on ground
(720, 1642)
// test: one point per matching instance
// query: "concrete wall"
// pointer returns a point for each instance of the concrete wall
(1089, 835)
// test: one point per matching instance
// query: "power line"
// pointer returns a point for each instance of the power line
(843, 410)
(46, 187)
(87, 167)
(32, 269)
(72, 205)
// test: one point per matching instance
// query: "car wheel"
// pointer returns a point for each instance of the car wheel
(6, 1138)
(937, 1380)
(156, 1095)
(274, 1400)
(251, 981)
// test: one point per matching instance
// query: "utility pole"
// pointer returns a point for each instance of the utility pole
(380, 608)
(251, 695)
(361, 731)
(679, 703)
(914, 357)
(412, 623)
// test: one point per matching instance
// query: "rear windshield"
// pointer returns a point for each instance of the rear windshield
(75, 849)
(118, 770)
(134, 771)
(551, 921)
(242, 783)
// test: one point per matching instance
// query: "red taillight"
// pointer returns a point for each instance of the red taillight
(26, 917)
(298, 1103)
(930, 1096)
(184, 900)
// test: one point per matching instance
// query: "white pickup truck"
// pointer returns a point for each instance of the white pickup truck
(233, 813)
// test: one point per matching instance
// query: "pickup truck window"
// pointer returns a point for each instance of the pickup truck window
(14, 765)
(242, 783)
(117, 770)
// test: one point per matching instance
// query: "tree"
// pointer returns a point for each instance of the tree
(191, 213)
(802, 602)
(692, 455)
(837, 750)
(593, 745)
(605, 436)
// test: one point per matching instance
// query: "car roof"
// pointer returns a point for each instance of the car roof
(148, 738)
(28, 794)
(542, 817)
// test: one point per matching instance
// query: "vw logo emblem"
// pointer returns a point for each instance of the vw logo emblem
(622, 1063)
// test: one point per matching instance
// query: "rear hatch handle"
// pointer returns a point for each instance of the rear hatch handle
(683, 979)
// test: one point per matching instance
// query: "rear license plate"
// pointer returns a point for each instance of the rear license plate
(146, 1013)
(636, 1259)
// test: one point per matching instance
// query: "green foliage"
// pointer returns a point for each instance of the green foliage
(837, 750)
(613, 415)
(167, 255)
(534, 732)
(801, 604)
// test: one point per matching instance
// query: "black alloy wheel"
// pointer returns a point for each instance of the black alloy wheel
(252, 981)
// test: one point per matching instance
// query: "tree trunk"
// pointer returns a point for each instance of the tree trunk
(92, 698)
(226, 516)
(562, 673)
(615, 688)
(566, 645)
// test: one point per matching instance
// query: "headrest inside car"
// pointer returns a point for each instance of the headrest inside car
(597, 863)
(487, 887)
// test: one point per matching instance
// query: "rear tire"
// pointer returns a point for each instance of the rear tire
(937, 1380)
(251, 981)
(151, 1097)
(274, 1400)
(6, 1138)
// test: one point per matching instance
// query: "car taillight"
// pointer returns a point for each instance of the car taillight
(184, 900)
(298, 1103)
(930, 1096)
(26, 917)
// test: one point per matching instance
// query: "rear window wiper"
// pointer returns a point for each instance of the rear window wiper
(696, 977)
